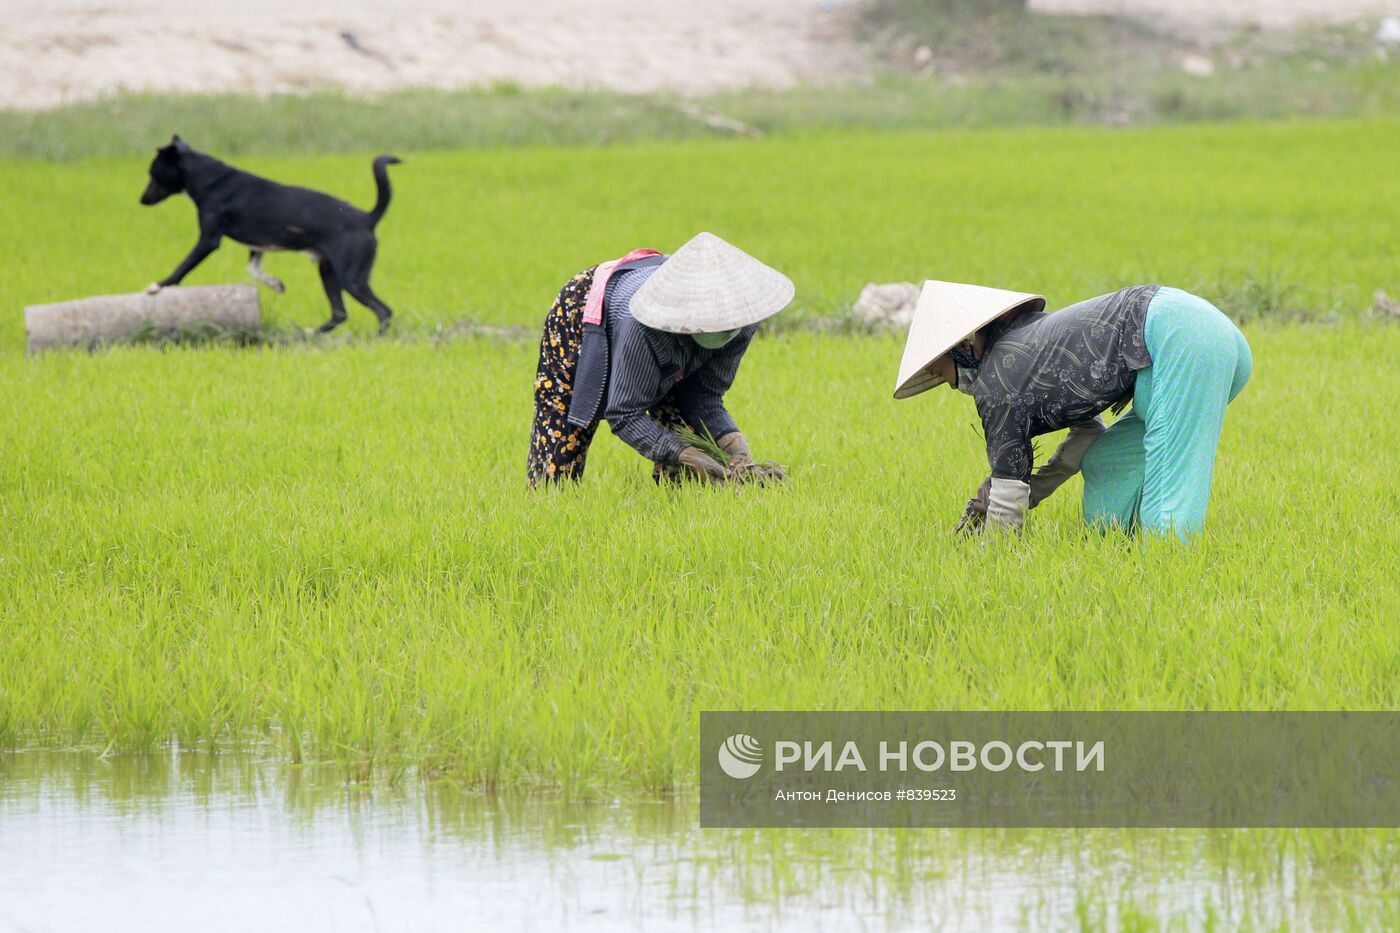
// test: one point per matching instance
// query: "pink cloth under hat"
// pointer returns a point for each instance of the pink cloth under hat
(593, 306)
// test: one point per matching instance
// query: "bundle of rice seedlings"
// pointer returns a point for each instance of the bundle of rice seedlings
(760, 473)
(706, 443)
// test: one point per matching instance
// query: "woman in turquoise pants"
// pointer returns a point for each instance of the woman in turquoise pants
(1173, 354)
(1153, 467)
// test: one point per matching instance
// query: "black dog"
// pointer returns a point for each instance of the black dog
(269, 217)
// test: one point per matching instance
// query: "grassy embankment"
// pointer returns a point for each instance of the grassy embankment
(931, 64)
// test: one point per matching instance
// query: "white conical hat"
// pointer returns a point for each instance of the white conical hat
(709, 286)
(948, 313)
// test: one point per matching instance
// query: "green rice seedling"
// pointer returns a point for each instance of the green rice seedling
(705, 443)
(762, 473)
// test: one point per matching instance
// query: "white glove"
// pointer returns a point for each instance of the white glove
(1065, 461)
(1007, 503)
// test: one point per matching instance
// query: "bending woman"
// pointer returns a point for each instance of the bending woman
(652, 343)
(1174, 355)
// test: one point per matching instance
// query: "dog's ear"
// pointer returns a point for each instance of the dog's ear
(172, 151)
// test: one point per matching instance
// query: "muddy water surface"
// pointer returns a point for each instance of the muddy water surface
(232, 842)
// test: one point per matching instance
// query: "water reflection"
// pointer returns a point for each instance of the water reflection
(223, 841)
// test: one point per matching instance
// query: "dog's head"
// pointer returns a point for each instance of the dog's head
(167, 172)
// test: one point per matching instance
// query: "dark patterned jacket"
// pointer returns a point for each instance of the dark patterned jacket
(1044, 371)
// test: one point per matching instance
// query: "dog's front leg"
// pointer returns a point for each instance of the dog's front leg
(208, 242)
(255, 269)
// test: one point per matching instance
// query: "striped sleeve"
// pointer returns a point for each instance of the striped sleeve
(634, 385)
(701, 396)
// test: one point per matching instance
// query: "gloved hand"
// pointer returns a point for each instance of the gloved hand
(701, 466)
(760, 473)
(974, 516)
(737, 446)
(1065, 461)
(1007, 503)
(771, 470)
(741, 463)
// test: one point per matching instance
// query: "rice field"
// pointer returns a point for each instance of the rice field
(324, 551)
(328, 546)
(332, 551)
(1300, 210)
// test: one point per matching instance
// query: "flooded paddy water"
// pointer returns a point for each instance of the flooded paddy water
(233, 842)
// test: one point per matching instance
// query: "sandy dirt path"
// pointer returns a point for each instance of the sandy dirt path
(53, 51)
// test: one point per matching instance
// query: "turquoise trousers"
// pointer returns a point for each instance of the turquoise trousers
(1151, 469)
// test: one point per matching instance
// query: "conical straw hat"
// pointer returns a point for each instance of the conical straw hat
(948, 313)
(709, 286)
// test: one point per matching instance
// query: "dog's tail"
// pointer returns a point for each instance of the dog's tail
(381, 181)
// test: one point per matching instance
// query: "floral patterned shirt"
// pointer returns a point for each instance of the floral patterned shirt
(1041, 372)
